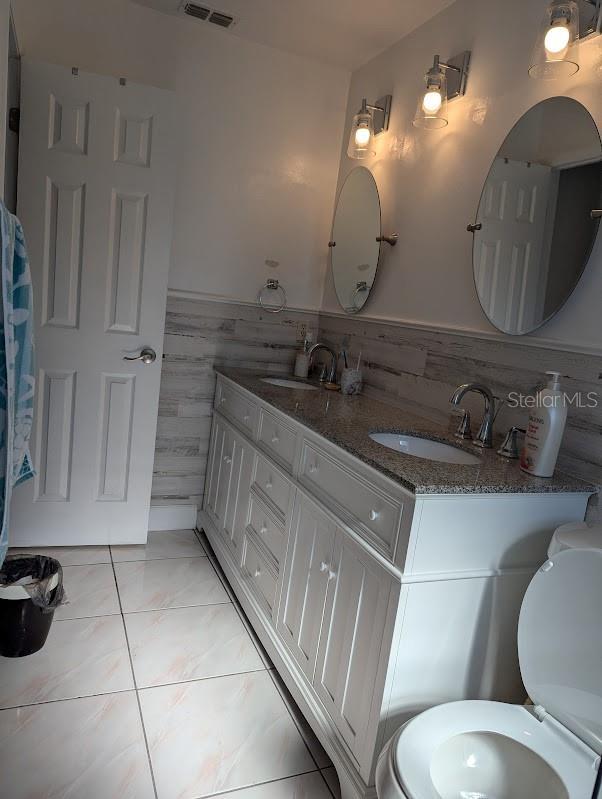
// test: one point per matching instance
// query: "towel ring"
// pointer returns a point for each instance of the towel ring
(272, 285)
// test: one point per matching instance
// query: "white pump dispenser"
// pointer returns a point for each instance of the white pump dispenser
(545, 429)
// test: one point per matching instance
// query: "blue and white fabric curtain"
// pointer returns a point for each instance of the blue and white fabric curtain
(17, 381)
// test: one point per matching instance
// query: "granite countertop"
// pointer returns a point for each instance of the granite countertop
(347, 422)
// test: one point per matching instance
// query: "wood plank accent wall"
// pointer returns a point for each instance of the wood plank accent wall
(400, 363)
(198, 335)
(422, 367)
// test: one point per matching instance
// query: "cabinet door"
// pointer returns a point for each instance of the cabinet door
(223, 481)
(304, 580)
(237, 503)
(353, 635)
(214, 462)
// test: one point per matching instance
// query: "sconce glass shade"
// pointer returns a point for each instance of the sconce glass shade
(555, 54)
(361, 138)
(431, 113)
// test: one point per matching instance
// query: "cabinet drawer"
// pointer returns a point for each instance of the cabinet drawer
(271, 483)
(260, 577)
(278, 439)
(241, 410)
(359, 501)
(266, 528)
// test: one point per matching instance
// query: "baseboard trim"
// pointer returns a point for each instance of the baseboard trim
(172, 517)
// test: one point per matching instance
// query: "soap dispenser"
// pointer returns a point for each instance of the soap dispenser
(547, 420)
(302, 359)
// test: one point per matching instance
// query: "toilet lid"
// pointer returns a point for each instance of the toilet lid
(560, 641)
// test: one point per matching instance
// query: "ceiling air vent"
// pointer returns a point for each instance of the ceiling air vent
(205, 14)
(198, 12)
(223, 20)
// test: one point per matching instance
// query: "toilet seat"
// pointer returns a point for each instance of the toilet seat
(416, 745)
(478, 749)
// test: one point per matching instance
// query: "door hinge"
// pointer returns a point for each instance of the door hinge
(14, 119)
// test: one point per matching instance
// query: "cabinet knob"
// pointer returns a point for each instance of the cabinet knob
(374, 514)
(227, 459)
(257, 572)
(324, 566)
(268, 485)
(313, 468)
(275, 438)
(264, 529)
(246, 417)
(331, 574)
(222, 401)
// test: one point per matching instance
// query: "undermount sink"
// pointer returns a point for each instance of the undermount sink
(424, 448)
(284, 382)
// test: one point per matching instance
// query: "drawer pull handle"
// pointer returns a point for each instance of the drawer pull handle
(313, 468)
(264, 529)
(223, 401)
(324, 566)
(257, 572)
(374, 514)
(331, 574)
(268, 485)
(275, 439)
(246, 417)
(227, 459)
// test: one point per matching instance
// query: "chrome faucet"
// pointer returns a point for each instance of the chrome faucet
(332, 374)
(485, 435)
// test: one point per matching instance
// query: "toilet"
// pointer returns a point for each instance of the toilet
(493, 750)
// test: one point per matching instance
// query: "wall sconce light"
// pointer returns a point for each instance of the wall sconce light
(565, 22)
(444, 81)
(369, 121)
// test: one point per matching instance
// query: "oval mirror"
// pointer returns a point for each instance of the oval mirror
(354, 246)
(538, 215)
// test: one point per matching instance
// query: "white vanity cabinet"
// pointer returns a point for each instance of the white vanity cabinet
(307, 572)
(230, 469)
(355, 640)
(374, 603)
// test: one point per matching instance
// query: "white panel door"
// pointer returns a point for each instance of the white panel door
(307, 570)
(96, 186)
(355, 636)
(511, 264)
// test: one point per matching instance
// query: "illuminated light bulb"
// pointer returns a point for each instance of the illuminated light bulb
(431, 102)
(362, 136)
(557, 39)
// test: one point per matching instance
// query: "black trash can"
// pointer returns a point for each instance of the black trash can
(31, 588)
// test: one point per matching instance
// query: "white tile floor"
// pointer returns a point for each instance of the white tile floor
(151, 685)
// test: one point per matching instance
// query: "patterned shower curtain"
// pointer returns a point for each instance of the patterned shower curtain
(17, 381)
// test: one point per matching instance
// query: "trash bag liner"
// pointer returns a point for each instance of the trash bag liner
(38, 576)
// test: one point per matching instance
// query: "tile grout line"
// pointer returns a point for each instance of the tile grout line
(328, 788)
(67, 699)
(127, 642)
(151, 560)
(262, 654)
(252, 635)
(233, 791)
(294, 720)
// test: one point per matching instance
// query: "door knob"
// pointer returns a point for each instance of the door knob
(147, 355)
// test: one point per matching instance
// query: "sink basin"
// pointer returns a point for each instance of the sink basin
(284, 382)
(424, 448)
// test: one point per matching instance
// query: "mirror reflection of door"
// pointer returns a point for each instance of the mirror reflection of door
(537, 230)
(355, 231)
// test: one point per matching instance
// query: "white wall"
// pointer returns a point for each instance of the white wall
(258, 136)
(430, 182)
(4, 29)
